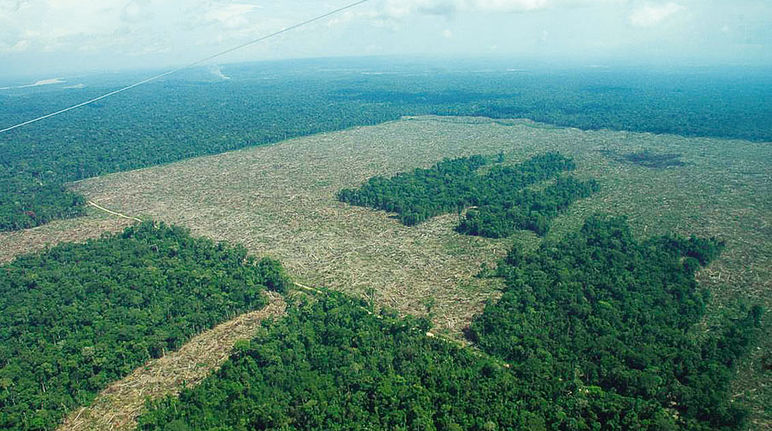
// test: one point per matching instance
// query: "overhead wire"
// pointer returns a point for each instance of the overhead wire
(188, 66)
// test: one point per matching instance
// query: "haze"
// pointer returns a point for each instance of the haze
(44, 38)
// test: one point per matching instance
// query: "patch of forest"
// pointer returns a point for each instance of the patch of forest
(79, 316)
(603, 315)
(595, 332)
(500, 200)
(263, 104)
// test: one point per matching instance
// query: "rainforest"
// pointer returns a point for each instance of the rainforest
(382, 242)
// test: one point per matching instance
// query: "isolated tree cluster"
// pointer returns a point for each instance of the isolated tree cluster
(501, 201)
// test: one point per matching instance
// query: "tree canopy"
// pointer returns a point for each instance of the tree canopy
(79, 316)
(331, 365)
(500, 199)
(600, 311)
(594, 332)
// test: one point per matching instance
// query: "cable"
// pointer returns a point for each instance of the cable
(196, 63)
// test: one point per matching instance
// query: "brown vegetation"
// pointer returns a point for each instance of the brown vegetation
(80, 229)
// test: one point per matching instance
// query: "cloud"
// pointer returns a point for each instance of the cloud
(650, 15)
(90, 34)
(397, 9)
(231, 16)
(137, 10)
(130, 27)
(507, 5)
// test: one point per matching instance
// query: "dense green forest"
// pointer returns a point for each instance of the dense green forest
(595, 331)
(526, 209)
(501, 201)
(266, 103)
(603, 313)
(331, 365)
(79, 316)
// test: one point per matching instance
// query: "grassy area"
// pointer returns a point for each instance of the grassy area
(280, 201)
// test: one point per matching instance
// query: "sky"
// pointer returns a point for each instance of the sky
(45, 38)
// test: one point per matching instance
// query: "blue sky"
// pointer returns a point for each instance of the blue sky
(49, 37)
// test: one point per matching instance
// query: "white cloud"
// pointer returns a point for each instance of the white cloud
(89, 34)
(231, 16)
(131, 27)
(137, 10)
(397, 9)
(650, 15)
(20, 46)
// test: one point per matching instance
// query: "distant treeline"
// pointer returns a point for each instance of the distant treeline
(79, 316)
(595, 331)
(170, 121)
(152, 125)
(500, 199)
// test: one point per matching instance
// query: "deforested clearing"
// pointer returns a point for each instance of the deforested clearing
(117, 407)
(280, 201)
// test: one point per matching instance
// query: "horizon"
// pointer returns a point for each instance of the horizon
(399, 64)
(60, 37)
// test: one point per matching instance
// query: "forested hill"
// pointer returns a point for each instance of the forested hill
(262, 104)
(593, 332)
(80, 316)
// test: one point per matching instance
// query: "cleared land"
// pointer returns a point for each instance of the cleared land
(118, 406)
(280, 201)
(71, 230)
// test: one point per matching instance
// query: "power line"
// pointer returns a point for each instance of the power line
(196, 63)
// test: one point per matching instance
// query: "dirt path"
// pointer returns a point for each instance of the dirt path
(97, 206)
(118, 406)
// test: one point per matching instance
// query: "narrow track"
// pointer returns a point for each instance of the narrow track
(99, 207)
